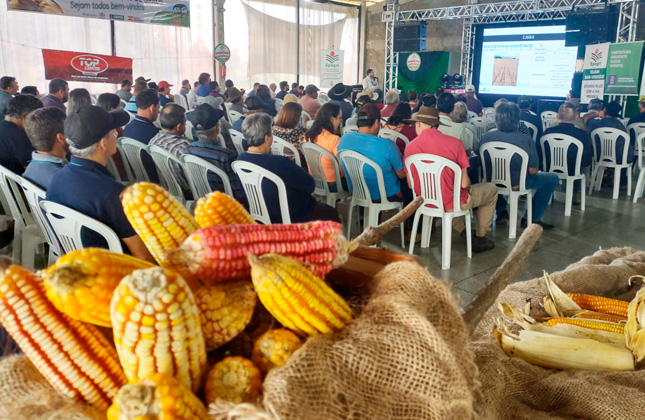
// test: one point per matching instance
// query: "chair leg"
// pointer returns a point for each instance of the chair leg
(469, 237)
(601, 174)
(592, 180)
(415, 226)
(402, 227)
(617, 172)
(629, 182)
(568, 201)
(446, 239)
(512, 222)
(349, 219)
(640, 184)
(426, 231)
(583, 195)
(529, 207)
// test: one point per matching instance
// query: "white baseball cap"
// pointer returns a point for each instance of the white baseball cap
(470, 88)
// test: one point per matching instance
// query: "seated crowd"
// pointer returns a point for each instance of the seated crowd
(63, 142)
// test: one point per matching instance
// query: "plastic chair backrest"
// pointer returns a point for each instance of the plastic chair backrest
(280, 146)
(637, 129)
(181, 101)
(132, 150)
(351, 121)
(302, 117)
(15, 199)
(354, 164)
(393, 135)
(309, 124)
(640, 142)
(558, 145)
(238, 139)
(197, 170)
(480, 124)
(608, 137)
(430, 169)
(111, 167)
(251, 177)
(501, 154)
(350, 129)
(532, 128)
(128, 169)
(472, 115)
(123, 103)
(163, 159)
(34, 196)
(489, 113)
(233, 116)
(471, 136)
(67, 225)
(548, 117)
(625, 121)
(313, 155)
(191, 133)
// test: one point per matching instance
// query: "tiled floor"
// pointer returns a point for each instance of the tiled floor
(605, 223)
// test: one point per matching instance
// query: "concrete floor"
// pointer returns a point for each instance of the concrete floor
(605, 223)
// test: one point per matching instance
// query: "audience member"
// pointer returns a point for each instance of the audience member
(608, 118)
(522, 127)
(370, 81)
(290, 97)
(325, 132)
(391, 102)
(86, 185)
(125, 91)
(272, 88)
(46, 130)
(216, 91)
(109, 102)
(191, 97)
(268, 103)
(309, 102)
(398, 121)
(301, 91)
(284, 89)
(204, 86)
(412, 99)
(524, 102)
(294, 90)
(459, 116)
(299, 184)
(227, 85)
(58, 94)
(287, 126)
(339, 94)
(426, 100)
(206, 121)
(78, 98)
(507, 117)
(578, 122)
(15, 147)
(142, 127)
(139, 86)
(481, 196)
(8, 88)
(30, 90)
(171, 138)
(252, 105)
(254, 91)
(164, 93)
(185, 87)
(382, 151)
(437, 93)
(142, 79)
(594, 108)
(445, 106)
(473, 104)
(235, 98)
(640, 118)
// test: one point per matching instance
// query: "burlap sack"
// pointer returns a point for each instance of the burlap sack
(514, 389)
(26, 395)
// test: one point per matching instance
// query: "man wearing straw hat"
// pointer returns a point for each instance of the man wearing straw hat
(481, 196)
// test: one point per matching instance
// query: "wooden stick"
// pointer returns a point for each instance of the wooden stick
(373, 235)
(474, 312)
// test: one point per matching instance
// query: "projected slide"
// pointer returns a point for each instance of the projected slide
(526, 61)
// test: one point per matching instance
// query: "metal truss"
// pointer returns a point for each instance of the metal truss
(391, 57)
(467, 37)
(626, 30)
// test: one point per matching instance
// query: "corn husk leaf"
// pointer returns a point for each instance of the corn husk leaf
(560, 305)
(634, 330)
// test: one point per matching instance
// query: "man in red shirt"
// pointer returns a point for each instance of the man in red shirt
(483, 196)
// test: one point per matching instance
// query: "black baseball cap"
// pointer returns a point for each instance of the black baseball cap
(88, 125)
(205, 116)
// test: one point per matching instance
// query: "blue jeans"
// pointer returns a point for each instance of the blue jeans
(544, 184)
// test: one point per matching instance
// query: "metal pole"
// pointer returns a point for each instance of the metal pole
(112, 37)
(298, 42)
(219, 35)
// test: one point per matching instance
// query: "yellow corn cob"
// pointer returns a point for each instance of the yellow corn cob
(218, 209)
(274, 348)
(225, 309)
(156, 327)
(81, 283)
(233, 379)
(74, 357)
(159, 396)
(601, 317)
(297, 298)
(604, 326)
(600, 304)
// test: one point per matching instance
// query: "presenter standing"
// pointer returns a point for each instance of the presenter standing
(370, 81)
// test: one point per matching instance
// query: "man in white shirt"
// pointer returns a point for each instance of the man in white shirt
(272, 88)
(445, 105)
(192, 96)
(370, 81)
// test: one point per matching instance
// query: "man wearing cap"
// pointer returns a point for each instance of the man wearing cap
(164, 93)
(45, 128)
(284, 89)
(15, 148)
(171, 138)
(86, 185)
(339, 95)
(309, 102)
(481, 196)
(142, 79)
(58, 94)
(204, 85)
(472, 103)
(125, 91)
(234, 97)
(252, 105)
(142, 128)
(206, 121)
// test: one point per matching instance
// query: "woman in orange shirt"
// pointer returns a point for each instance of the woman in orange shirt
(325, 132)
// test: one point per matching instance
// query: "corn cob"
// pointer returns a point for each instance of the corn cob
(604, 326)
(297, 298)
(233, 379)
(74, 357)
(82, 282)
(274, 348)
(156, 327)
(225, 310)
(218, 209)
(219, 253)
(600, 317)
(600, 304)
(159, 396)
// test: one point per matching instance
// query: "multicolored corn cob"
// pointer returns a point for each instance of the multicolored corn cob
(274, 348)
(297, 298)
(156, 327)
(81, 283)
(603, 326)
(219, 253)
(600, 304)
(233, 379)
(74, 357)
(217, 209)
(225, 309)
(159, 396)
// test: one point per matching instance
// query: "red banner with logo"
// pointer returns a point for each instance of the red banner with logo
(83, 67)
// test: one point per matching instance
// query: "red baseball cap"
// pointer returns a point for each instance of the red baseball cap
(163, 84)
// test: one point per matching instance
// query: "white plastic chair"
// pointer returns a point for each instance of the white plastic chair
(430, 170)
(472, 115)
(128, 169)
(132, 150)
(197, 170)
(314, 155)
(351, 121)
(354, 164)
(304, 117)
(350, 129)
(163, 161)
(237, 138)
(181, 101)
(489, 113)
(500, 155)
(67, 225)
(34, 195)
(309, 124)
(251, 177)
(637, 129)
(191, 133)
(640, 184)
(548, 119)
(280, 147)
(558, 145)
(625, 121)
(123, 103)
(533, 129)
(393, 135)
(606, 157)
(233, 116)
(480, 124)
(27, 233)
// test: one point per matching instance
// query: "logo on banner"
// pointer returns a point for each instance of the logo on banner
(89, 64)
(332, 61)
(413, 62)
(596, 56)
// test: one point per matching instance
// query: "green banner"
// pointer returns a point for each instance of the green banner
(422, 71)
(623, 69)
